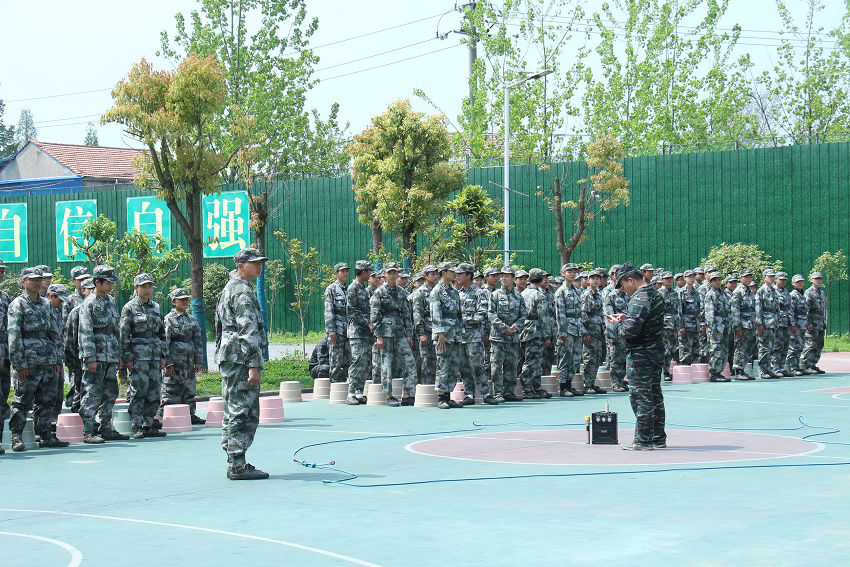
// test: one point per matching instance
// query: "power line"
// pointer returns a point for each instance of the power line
(59, 95)
(376, 54)
(390, 63)
(63, 119)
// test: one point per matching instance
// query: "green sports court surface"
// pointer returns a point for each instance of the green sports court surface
(755, 475)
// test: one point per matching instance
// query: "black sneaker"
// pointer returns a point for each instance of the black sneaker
(443, 401)
(668, 378)
(93, 439)
(18, 444)
(590, 390)
(819, 371)
(113, 435)
(408, 401)
(490, 400)
(468, 401)
(246, 472)
(798, 373)
(598, 390)
(352, 401)
(530, 395)
(576, 392)
(566, 393)
(769, 375)
(719, 378)
(393, 402)
(454, 404)
(619, 388)
(138, 434)
(544, 395)
(634, 446)
(52, 443)
(511, 397)
(198, 420)
(659, 444)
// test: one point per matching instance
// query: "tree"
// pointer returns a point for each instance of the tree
(8, 146)
(599, 193)
(470, 227)
(733, 258)
(401, 173)
(177, 115)
(833, 267)
(309, 277)
(91, 135)
(273, 270)
(26, 130)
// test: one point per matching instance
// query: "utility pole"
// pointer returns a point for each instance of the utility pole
(472, 33)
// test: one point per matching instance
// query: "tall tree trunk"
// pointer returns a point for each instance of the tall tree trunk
(377, 236)
(196, 264)
(559, 220)
(409, 246)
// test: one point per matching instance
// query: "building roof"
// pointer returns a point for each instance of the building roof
(93, 161)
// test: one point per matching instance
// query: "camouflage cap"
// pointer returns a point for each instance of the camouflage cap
(443, 266)
(654, 280)
(521, 274)
(699, 270)
(340, 266)
(715, 275)
(249, 255)
(647, 268)
(179, 293)
(142, 279)
(58, 290)
(465, 268)
(491, 272)
(730, 278)
(688, 273)
(507, 270)
(79, 273)
(363, 265)
(556, 281)
(377, 274)
(797, 278)
(745, 273)
(430, 268)
(625, 270)
(598, 272)
(418, 276)
(753, 284)
(391, 267)
(613, 269)
(535, 275)
(105, 272)
(781, 276)
(816, 276)
(404, 274)
(679, 275)
(666, 275)
(477, 275)
(581, 275)
(768, 272)
(88, 283)
(45, 271)
(31, 274)
(569, 266)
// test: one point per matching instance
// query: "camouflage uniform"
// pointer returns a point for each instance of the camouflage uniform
(799, 319)
(816, 302)
(375, 362)
(422, 328)
(783, 328)
(485, 331)
(535, 332)
(767, 312)
(446, 318)
(141, 332)
(57, 320)
(391, 320)
(549, 359)
(506, 310)
(591, 318)
(691, 309)
(336, 323)
(672, 324)
(5, 371)
(703, 334)
(743, 320)
(32, 343)
(240, 341)
(183, 355)
(616, 301)
(359, 337)
(716, 313)
(474, 304)
(98, 330)
(570, 332)
(75, 369)
(642, 331)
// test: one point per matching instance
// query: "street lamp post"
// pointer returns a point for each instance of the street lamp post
(507, 163)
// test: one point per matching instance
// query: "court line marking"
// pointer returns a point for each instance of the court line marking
(315, 550)
(755, 402)
(76, 554)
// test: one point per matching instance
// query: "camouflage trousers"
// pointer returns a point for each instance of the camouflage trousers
(703, 347)
(143, 392)
(488, 370)
(780, 348)
(35, 393)
(671, 344)
(795, 349)
(428, 362)
(475, 379)
(616, 359)
(75, 394)
(375, 368)
(745, 349)
(717, 355)
(592, 357)
(645, 394)
(100, 390)
(5, 388)
(569, 359)
(397, 362)
(503, 363)
(60, 395)
(532, 366)
(179, 388)
(241, 412)
(549, 359)
(813, 345)
(358, 372)
(689, 347)
(340, 358)
(448, 368)
(766, 342)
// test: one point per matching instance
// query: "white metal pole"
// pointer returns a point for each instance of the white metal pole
(506, 180)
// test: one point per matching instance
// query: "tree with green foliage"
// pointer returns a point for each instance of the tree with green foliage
(833, 267)
(215, 278)
(91, 135)
(26, 129)
(275, 281)
(8, 145)
(733, 258)
(178, 116)
(402, 173)
(471, 225)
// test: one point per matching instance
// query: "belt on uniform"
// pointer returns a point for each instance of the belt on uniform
(34, 334)
(103, 331)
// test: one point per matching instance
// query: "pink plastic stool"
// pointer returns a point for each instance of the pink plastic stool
(727, 373)
(271, 410)
(215, 412)
(458, 394)
(69, 428)
(682, 375)
(175, 419)
(699, 373)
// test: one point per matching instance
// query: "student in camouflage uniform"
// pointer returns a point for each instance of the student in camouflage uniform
(642, 329)
(473, 303)
(534, 336)
(507, 318)
(376, 280)
(743, 319)
(549, 359)
(731, 282)
(605, 292)
(141, 332)
(799, 321)
(691, 310)
(816, 301)
(591, 318)
(422, 326)
(359, 332)
(46, 280)
(240, 340)
(615, 303)
(783, 328)
(767, 314)
(72, 347)
(392, 323)
(491, 279)
(716, 313)
(702, 289)
(56, 296)
(336, 323)
(100, 352)
(32, 341)
(5, 373)
(79, 274)
(570, 330)
(672, 321)
(183, 353)
(447, 331)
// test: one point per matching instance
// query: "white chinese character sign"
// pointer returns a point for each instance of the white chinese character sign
(150, 216)
(227, 218)
(14, 246)
(71, 216)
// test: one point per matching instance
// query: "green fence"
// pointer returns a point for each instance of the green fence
(792, 202)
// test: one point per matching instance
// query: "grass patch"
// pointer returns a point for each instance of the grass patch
(274, 372)
(311, 337)
(836, 343)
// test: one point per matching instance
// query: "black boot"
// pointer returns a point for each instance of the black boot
(198, 421)
(443, 401)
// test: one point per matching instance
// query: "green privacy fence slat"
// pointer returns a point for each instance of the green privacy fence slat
(794, 202)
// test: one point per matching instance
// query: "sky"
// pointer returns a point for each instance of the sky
(90, 45)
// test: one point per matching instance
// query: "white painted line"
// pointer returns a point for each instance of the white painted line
(756, 402)
(76, 554)
(315, 550)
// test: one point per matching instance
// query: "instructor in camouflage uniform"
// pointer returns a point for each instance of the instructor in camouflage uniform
(336, 323)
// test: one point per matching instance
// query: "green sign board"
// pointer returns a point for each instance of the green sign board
(150, 216)
(226, 221)
(70, 218)
(14, 246)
